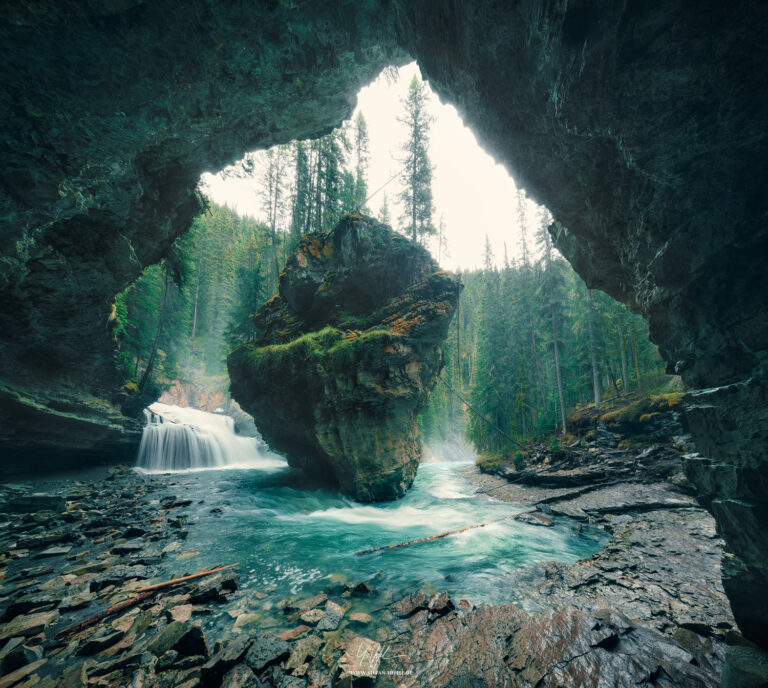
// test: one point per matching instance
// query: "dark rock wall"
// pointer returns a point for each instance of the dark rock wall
(110, 113)
(640, 125)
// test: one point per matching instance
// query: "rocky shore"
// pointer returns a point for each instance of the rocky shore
(647, 609)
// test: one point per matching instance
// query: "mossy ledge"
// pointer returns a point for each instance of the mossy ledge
(346, 355)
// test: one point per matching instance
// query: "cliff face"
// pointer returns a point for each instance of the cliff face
(346, 355)
(640, 125)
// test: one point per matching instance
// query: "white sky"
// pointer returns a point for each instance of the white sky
(474, 194)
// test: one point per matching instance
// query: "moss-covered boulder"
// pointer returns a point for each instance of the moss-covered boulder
(346, 355)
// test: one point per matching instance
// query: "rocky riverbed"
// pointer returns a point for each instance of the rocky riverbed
(647, 609)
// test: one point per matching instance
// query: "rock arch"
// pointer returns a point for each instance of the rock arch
(641, 127)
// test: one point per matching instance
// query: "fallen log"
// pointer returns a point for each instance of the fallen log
(183, 579)
(442, 535)
(143, 594)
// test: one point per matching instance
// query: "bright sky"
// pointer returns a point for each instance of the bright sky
(475, 195)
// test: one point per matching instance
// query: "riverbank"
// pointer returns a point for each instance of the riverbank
(648, 606)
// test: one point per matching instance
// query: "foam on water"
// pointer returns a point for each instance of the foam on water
(177, 440)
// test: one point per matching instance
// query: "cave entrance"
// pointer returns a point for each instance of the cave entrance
(177, 323)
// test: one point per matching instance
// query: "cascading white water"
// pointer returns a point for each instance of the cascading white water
(186, 439)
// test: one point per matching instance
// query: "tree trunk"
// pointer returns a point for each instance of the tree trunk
(160, 319)
(593, 352)
(558, 374)
(197, 295)
(622, 359)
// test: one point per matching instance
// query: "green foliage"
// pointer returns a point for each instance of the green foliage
(500, 353)
(416, 178)
(215, 282)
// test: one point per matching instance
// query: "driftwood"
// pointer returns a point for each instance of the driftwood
(183, 579)
(442, 535)
(143, 594)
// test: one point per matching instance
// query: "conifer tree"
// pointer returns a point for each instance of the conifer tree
(416, 178)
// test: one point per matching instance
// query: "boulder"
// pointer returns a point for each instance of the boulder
(346, 355)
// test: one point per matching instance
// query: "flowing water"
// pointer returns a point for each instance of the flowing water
(185, 439)
(293, 536)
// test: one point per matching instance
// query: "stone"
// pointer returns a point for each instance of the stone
(347, 354)
(181, 612)
(240, 676)
(180, 636)
(230, 654)
(18, 656)
(304, 651)
(563, 95)
(293, 633)
(410, 604)
(35, 501)
(302, 605)
(440, 604)
(266, 651)
(745, 667)
(116, 575)
(95, 645)
(331, 617)
(214, 588)
(360, 618)
(55, 551)
(311, 616)
(28, 624)
(128, 547)
(361, 659)
(14, 677)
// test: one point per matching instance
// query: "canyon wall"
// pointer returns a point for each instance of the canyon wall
(641, 126)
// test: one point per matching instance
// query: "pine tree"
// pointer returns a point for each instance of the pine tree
(362, 157)
(416, 178)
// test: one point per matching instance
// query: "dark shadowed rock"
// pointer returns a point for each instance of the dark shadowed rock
(267, 650)
(647, 143)
(231, 653)
(347, 354)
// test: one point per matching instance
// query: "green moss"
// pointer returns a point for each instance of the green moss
(330, 349)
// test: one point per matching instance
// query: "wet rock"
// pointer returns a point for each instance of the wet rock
(15, 676)
(535, 519)
(30, 603)
(118, 574)
(745, 667)
(54, 552)
(302, 605)
(240, 676)
(303, 652)
(28, 624)
(128, 547)
(331, 617)
(95, 645)
(293, 633)
(362, 589)
(361, 659)
(231, 653)
(311, 616)
(181, 637)
(76, 601)
(18, 656)
(440, 604)
(266, 651)
(359, 618)
(35, 501)
(181, 612)
(410, 604)
(215, 588)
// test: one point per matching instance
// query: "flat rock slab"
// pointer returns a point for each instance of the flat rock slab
(362, 658)
(28, 624)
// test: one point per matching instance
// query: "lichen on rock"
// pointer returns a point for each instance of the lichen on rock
(346, 355)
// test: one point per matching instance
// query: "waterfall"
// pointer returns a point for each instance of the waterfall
(185, 439)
